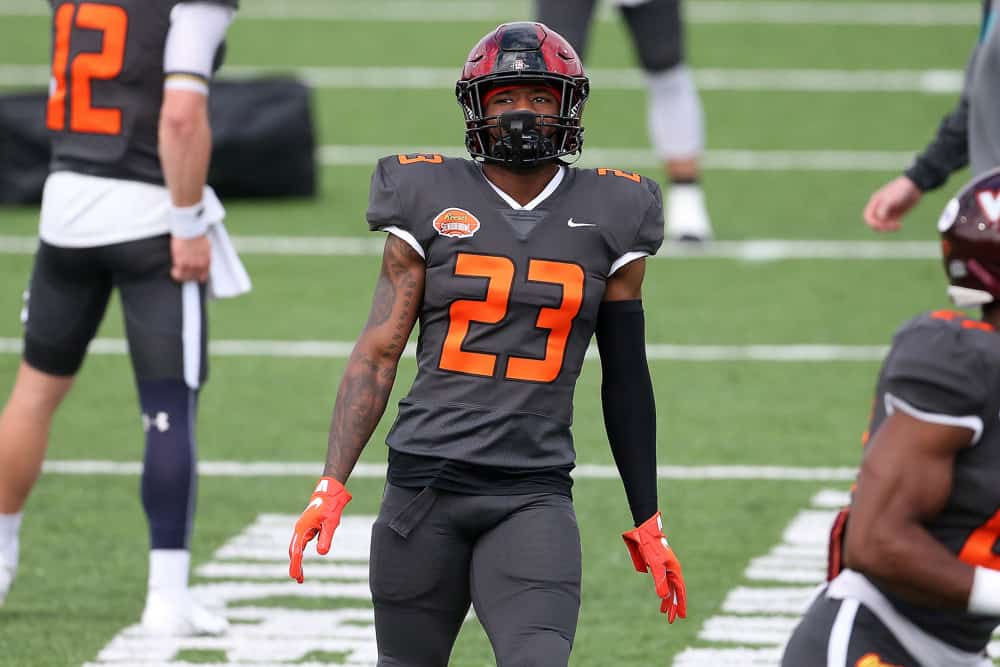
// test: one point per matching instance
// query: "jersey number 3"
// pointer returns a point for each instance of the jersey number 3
(493, 308)
(112, 22)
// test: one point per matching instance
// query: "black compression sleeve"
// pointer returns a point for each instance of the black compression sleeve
(627, 399)
(947, 153)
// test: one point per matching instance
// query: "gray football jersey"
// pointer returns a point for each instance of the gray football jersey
(107, 86)
(510, 302)
(948, 366)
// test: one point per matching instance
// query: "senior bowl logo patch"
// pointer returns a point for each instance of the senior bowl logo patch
(456, 223)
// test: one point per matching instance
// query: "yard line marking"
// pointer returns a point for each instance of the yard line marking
(316, 349)
(766, 615)
(494, 11)
(753, 250)
(933, 82)
(377, 471)
(342, 155)
(280, 634)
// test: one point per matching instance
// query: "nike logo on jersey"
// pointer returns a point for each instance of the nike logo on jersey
(579, 224)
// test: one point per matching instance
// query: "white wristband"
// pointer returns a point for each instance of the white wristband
(188, 222)
(985, 595)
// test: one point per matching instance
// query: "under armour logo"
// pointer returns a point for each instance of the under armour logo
(161, 421)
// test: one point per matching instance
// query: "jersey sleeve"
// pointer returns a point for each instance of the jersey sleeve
(649, 236)
(645, 235)
(933, 374)
(391, 206)
(195, 43)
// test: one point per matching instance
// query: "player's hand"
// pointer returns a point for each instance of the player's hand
(651, 553)
(191, 258)
(322, 516)
(887, 206)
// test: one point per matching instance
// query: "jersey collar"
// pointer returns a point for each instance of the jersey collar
(542, 196)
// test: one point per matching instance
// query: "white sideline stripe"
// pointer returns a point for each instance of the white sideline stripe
(754, 250)
(934, 82)
(342, 349)
(376, 471)
(480, 11)
(722, 159)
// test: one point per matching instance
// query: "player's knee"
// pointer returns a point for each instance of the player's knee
(54, 359)
(540, 649)
(661, 56)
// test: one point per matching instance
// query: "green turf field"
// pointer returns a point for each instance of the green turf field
(755, 441)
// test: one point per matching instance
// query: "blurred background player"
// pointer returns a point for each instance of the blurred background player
(968, 134)
(511, 262)
(676, 121)
(125, 207)
(916, 575)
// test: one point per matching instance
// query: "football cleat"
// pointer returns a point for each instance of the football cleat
(687, 217)
(178, 615)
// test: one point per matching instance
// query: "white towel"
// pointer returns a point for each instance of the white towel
(227, 276)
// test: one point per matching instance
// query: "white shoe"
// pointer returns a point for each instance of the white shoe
(178, 615)
(687, 217)
(6, 580)
(8, 568)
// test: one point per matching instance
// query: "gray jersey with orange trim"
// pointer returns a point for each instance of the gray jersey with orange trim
(510, 302)
(945, 368)
(107, 86)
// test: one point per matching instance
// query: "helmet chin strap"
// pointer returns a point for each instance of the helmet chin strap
(521, 144)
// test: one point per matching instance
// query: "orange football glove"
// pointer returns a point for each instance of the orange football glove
(321, 515)
(651, 553)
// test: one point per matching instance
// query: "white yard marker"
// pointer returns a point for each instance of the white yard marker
(762, 618)
(656, 352)
(721, 159)
(263, 550)
(253, 566)
(930, 82)
(752, 250)
(495, 11)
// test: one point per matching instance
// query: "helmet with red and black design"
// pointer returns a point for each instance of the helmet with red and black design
(970, 241)
(517, 54)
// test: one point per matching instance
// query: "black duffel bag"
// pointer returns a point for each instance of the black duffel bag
(263, 143)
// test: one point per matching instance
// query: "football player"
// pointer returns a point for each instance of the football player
(969, 133)
(125, 207)
(510, 261)
(914, 565)
(675, 118)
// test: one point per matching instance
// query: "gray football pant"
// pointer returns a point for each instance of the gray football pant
(516, 559)
(656, 28)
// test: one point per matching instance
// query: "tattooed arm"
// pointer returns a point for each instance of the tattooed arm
(371, 370)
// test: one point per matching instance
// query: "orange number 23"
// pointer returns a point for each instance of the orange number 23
(493, 308)
(112, 22)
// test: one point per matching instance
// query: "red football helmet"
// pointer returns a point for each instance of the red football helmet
(970, 241)
(517, 54)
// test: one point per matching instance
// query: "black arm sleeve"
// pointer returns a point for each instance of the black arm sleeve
(627, 399)
(949, 150)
